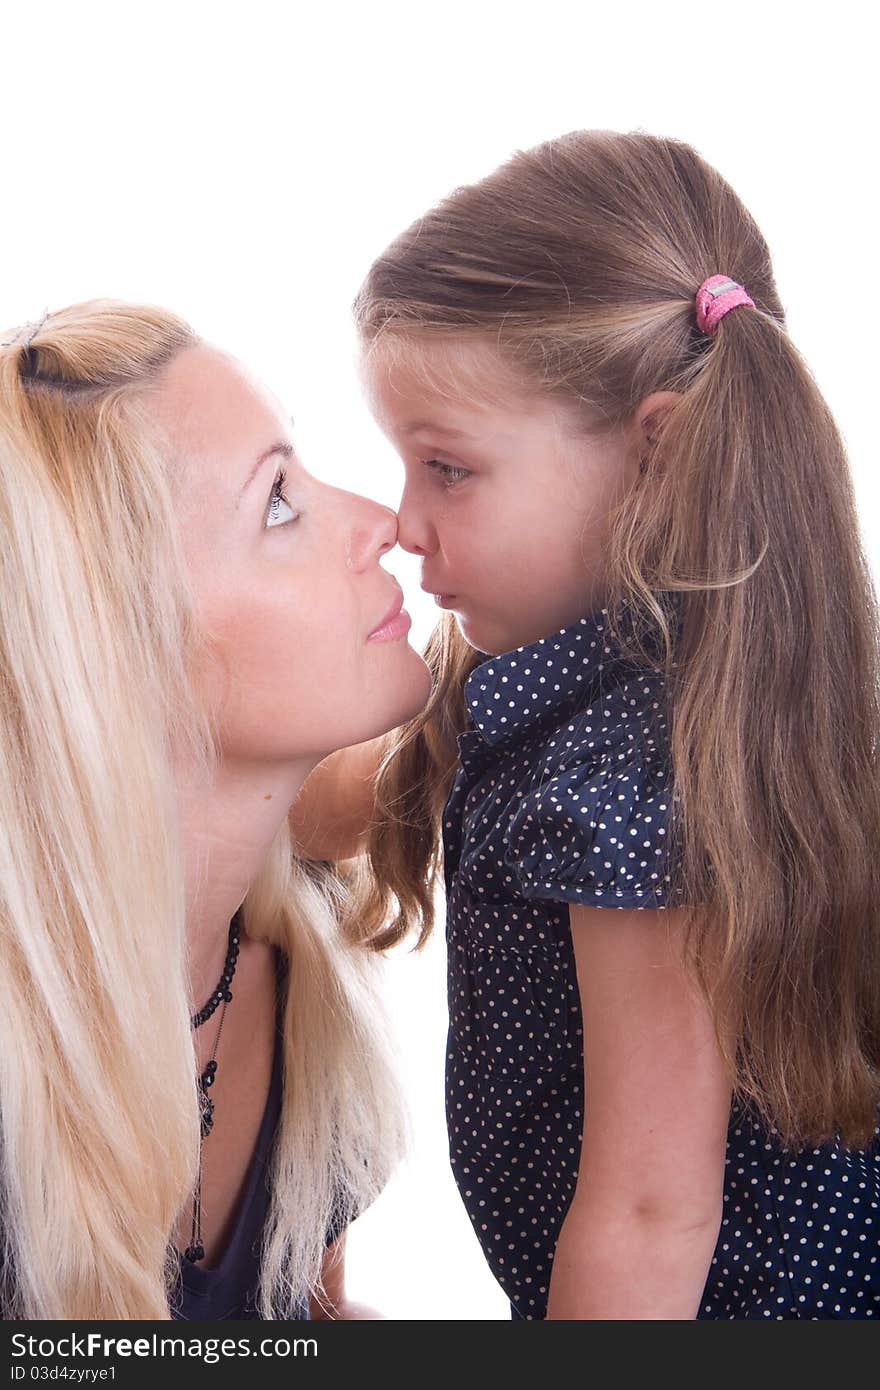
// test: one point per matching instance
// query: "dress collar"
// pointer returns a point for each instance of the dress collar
(508, 695)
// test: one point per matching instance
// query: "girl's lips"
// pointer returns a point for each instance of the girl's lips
(445, 600)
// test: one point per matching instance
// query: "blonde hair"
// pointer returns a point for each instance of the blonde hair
(745, 524)
(99, 647)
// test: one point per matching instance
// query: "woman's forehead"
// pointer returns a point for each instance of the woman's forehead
(209, 403)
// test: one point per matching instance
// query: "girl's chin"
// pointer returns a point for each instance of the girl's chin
(481, 636)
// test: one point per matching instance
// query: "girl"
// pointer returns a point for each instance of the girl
(651, 752)
(194, 1095)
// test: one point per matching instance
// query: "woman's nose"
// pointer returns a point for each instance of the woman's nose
(373, 532)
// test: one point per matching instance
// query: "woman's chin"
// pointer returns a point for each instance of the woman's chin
(403, 695)
(417, 690)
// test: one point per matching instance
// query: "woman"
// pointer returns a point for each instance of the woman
(189, 623)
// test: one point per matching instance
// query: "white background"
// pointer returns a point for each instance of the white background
(243, 163)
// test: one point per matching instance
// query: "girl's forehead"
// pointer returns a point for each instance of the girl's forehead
(412, 379)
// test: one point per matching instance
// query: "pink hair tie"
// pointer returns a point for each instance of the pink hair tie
(715, 298)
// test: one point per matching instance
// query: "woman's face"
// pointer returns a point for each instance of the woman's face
(286, 575)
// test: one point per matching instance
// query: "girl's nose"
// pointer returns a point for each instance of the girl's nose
(373, 532)
(414, 531)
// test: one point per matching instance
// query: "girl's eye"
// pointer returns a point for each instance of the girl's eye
(278, 500)
(448, 472)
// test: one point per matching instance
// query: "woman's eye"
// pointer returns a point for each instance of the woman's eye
(274, 515)
(448, 472)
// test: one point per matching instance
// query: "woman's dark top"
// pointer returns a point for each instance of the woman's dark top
(229, 1289)
(562, 796)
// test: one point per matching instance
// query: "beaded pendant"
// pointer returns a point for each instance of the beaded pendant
(195, 1251)
(207, 1105)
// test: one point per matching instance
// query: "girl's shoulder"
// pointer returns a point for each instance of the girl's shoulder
(593, 822)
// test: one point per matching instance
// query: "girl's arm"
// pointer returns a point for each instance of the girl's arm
(639, 1236)
(332, 814)
(334, 1304)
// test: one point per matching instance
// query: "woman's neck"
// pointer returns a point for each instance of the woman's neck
(227, 831)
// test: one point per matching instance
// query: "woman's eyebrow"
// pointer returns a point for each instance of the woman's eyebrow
(281, 448)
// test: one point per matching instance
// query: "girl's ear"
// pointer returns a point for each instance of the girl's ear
(648, 421)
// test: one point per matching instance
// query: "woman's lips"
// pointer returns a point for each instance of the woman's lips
(395, 624)
(390, 632)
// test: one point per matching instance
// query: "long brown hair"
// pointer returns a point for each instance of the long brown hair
(746, 521)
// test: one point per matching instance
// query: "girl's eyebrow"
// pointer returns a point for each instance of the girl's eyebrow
(435, 429)
(281, 448)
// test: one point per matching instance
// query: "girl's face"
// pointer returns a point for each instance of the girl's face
(286, 575)
(507, 503)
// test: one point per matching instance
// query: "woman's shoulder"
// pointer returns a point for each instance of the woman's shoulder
(593, 823)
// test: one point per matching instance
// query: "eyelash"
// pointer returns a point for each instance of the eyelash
(438, 466)
(278, 495)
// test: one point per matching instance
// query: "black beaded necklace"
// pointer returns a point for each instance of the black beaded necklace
(222, 994)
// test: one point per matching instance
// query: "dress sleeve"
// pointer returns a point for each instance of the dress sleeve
(597, 826)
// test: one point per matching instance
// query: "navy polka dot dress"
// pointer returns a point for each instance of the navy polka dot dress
(562, 797)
